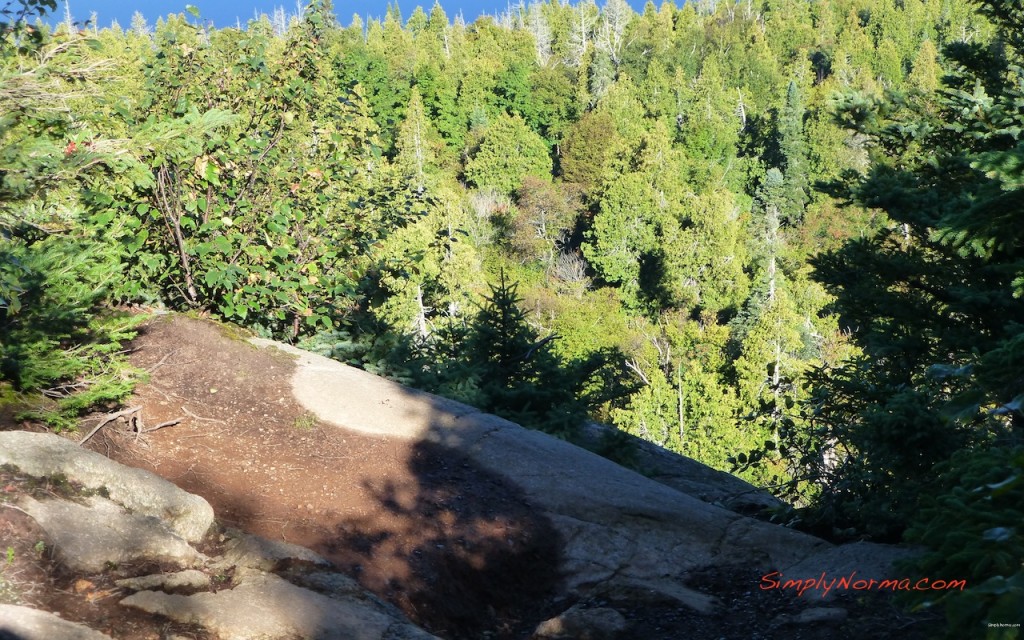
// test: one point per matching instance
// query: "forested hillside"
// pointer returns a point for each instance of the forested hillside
(781, 237)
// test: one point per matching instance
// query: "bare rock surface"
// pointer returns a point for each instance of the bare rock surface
(812, 616)
(338, 586)
(98, 533)
(254, 552)
(577, 623)
(144, 493)
(686, 475)
(188, 579)
(264, 606)
(615, 523)
(24, 623)
(624, 588)
(854, 561)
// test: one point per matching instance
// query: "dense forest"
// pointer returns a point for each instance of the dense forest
(782, 237)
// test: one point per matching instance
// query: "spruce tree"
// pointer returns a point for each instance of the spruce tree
(935, 300)
(520, 377)
(793, 148)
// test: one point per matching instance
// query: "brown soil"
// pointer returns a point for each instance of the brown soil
(456, 548)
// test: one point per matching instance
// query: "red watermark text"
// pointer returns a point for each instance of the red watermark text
(824, 584)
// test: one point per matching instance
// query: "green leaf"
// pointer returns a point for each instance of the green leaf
(222, 245)
(212, 277)
(139, 239)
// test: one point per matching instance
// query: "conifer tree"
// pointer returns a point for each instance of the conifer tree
(935, 299)
(416, 143)
(508, 152)
(516, 372)
(793, 149)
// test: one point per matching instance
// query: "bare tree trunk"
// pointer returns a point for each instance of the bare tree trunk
(171, 209)
(682, 413)
(421, 316)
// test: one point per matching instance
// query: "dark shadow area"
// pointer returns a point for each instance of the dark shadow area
(462, 551)
(677, 471)
(751, 613)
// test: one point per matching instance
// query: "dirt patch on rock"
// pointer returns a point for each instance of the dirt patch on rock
(456, 548)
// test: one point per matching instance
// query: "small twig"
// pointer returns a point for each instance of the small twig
(194, 416)
(202, 435)
(110, 417)
(167, 396)
(319, 457)
(64, 390)
(187, 471)
(11, 506)
(163, 360)
(169, 423)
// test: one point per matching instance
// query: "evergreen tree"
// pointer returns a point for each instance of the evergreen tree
(512, 371)
(793, 149)
(508, 152)
(60, 346)
(416, 144)
(934, 299)
(587, 150)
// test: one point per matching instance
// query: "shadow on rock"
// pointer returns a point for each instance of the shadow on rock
(467, 554)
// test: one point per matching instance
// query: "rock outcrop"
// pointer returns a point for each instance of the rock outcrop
(621, 530)
(97, 532)
(263, 605)
(24, 623)
(141, 492)
(624, 540)
(146, 521)
(577, 623)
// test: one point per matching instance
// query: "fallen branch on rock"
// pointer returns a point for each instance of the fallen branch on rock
(162, 362)
(168, 423)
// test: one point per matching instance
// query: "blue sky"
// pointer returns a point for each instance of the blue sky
(225, 12)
